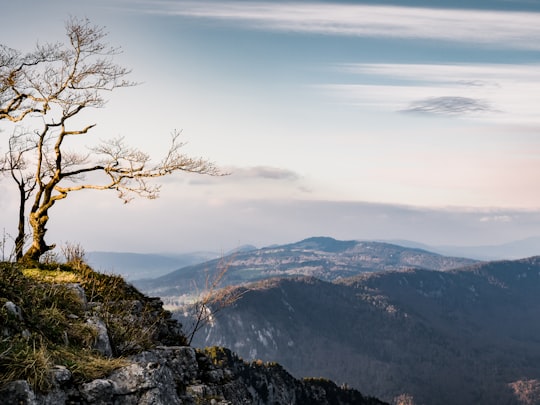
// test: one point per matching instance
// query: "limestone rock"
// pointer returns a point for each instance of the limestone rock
(184, 376)
(18, 392)
(13, 310)
(98, 392)
(16, 321)
(102, 343)
(61, 375)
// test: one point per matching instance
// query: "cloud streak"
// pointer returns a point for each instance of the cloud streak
(519, 30)
(502, 93)
(250, 174)
(465, 74)
(449, 106)
(264, 172)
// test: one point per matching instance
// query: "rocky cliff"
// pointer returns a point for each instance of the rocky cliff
(182, 375)
(73, 336)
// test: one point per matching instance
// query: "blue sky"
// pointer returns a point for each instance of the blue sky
(385, 120)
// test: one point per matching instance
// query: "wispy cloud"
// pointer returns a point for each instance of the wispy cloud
(250, 174)
(257, 182)
(264, 172)
(449, 106)
(502, 93)
(465, 74)
(494, 28)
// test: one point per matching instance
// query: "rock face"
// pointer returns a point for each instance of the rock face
(183, 375)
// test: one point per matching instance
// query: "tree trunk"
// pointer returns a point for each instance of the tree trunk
(38, 220)
(19, 240)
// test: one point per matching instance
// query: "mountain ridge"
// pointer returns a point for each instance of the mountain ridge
(452, 337)
(323, 257)
(136, 265)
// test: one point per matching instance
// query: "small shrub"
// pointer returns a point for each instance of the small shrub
(74, 254)
(219, 355)
(49, 257)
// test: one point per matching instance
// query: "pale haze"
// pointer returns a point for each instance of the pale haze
(415, 120)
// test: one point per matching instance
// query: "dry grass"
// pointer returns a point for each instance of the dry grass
(54, 330)
(26, 359)
(51, 276)
(87, 364)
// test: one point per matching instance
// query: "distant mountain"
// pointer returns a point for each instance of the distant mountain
(322, 257)
(243, 248)
(465, 336)
(142, 265)
(507, 251)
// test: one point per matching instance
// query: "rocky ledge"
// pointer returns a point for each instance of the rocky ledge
(140, 350)
(183, 375)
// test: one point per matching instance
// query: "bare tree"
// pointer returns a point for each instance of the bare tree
(212, 300)
(16, 166)
(18, 96)
(56, 83)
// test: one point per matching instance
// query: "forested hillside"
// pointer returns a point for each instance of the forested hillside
(454, 337)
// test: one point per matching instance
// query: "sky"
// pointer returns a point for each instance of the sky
(415, 120)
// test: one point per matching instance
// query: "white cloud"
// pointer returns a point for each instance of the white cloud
(502, 93)
(495, 28)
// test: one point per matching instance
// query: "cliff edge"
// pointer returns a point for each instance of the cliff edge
(70, 335)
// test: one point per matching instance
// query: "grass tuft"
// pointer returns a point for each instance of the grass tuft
(26, 359)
